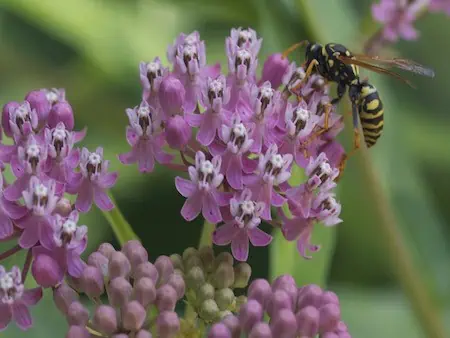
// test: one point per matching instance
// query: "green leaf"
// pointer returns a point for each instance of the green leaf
(122, 229)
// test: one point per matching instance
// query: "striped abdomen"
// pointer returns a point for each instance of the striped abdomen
(371, 114)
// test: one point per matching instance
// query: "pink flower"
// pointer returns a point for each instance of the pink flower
(440, 5)
(243, 227)
(22, 121)
(15, 300)
(144, 135)
(201, 191)
(151, 74)
(326, 209)
(273, 170)
(274, 69)
(243, 38)
(91, 182)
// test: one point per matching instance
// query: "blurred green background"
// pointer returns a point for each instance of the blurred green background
(93, 47)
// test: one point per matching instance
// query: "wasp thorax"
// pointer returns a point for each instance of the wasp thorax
(215, 90)
(323, 171)
(243, 57)
(10, 289)
(245, 36)
(40, 195)
(153, 71)
(144, 118)
(94, 164)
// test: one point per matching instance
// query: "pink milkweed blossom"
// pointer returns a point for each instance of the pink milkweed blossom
(151, 74)
(440, 5)
(243, 38)
(243, 227)
(91, 182)
(15, 299)
(201, 190)
(144, 135)
(22, 121)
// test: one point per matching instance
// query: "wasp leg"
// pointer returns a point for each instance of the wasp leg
(341, 89)
(327, 112)
(308, 72)
(293, 47)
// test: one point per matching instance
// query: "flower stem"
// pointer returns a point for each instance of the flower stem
(10, 252)
(26, 265)
(206, 236)
(122, 229)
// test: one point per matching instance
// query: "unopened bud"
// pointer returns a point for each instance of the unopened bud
(177, 282)
(46, 271)
(133, 316)
(209, 311)
(260, 290)
(148, 270)
(284, 324)
(119, 265)
(166, 298)
(77, 332)
(63, 296)
(77, 314)
(177, 262)
(189, 252)
(224, 298)
(61, 112)
(145, 291)
(224, 276)
(119, 291)
(165, 268)
(99, 261)
(193, 261)
(206, 254)
(105, 319)
(135, 253)
(308, 321)
(92, 281)
(205, 292)
(167, 324)
(224, 257)
(219, 330)
(195, 278)
(143, 334)
(63, 207)
(232, 322)
(261, 330)
(106, 249)
(250, 314)
(242, 273)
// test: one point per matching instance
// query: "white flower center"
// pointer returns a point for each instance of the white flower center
(69, 227)
(33, 151)
(243, 54)
(189, 50)
(245, 35)
(21, 112)
(143, 112)
(95, 159)
(266, 92)
(239, 130)
(325, 168)
(277, 161)
(207, 168)
(52, 96)
(153, 67)
(41, 191)
(190, 40)
(6, 282)
(248, 207)
(301, 114)
(215, 86)
(59, 134)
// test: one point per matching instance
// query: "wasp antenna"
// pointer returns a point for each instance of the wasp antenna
(294, 47)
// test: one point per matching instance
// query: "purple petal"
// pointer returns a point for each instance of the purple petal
(73, 159)
(212, 71)
(21, 315)
(29, 237)
(145, 157)
(6, 227)
(224, 234)
(108, 180)
(185, 187)
(277, 200)
(32, 296)
(192, 207)
(217, 147)
(194, 120)
(79, 135)
(128, 158)
(17, 167)
(292, 228)
(5, 316)
(258, 237)
(74, 182)
(222, 198)
(239, 246)
(75, 266)
(132, 136)
(234, 173)
(46, 236)
(207, 130)
(210, 210)
(102, 199)
(12, 209)
(14, 191)
(7, 152)
(85, 197)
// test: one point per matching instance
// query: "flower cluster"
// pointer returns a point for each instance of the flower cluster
(34, 210)
(134, 287)
(239, 136)
(211, 281)
(294, 311)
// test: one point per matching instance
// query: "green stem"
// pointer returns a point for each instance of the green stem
(206, 236)
(122, 229)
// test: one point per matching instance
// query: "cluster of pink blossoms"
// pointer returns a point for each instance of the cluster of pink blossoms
(239, 136)
(34, 211)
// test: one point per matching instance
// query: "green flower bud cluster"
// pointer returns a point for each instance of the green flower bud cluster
(211, 282)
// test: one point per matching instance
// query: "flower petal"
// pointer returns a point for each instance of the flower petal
(207, 130)
(102, 199)
(75, 266)
(234, 173)
(194, 120)
(145, 157)
(85, 197)
(108, 180)
(192, 207)
(46, 235)
(277, 200)
(14, 191)
(29, 237)
(21, 315)
(258, 237)
(224, 234)
(222, 197)
(32, 296)
(12, 209)
(239, 246)
(6, 227)
(5, 316)
(210, 210)
(185, 187)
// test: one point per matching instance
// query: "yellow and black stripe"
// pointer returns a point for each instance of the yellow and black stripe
(371, 113)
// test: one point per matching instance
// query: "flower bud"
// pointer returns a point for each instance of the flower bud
(177, 282)
(92, 281)
(224, 257)
(171, 96)
(143, 334)
(329, 297)
(242, 273)
(133, 316)
(219, 330)
(279, 300)
(77, 332)
(288, 285)
(63, 207)
(145, 291)
(189, 252)
(193, 261)
(250, 314)
(119, 291)
(308, 321)
(206, 254)
(284, 324)
(167, 324)
(177, 262)
(119, 265)
(166, 298)
(39, 102)
(241, 300)
(46, 271)
(165, 268)
(330, 316)
(63, 296)
(274, 68)
(225, 313)
(224, 276)
(77, 314)
(106, 249)
(232, 322)
(61, 112)
(99, 261)
(120, 335)
(148, 270)
(209, 311)
(135, 253)
(225, 298)
(7, 108)
(105, 319)
(195, 278)
(260, 290)
(178, 132)
(309, 295)
(260, 330)
(330, 335)
(206, 291)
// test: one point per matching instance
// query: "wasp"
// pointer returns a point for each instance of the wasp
(338, 64)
